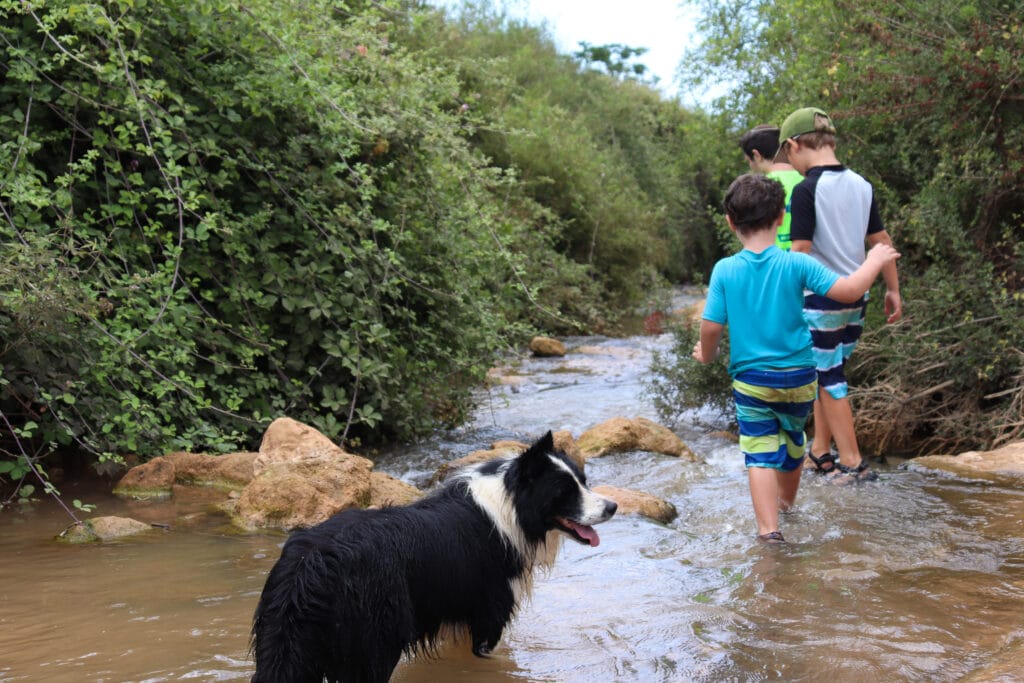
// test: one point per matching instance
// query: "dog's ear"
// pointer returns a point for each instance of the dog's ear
(536, 455)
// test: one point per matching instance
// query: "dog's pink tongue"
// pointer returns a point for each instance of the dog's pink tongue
(586, 532)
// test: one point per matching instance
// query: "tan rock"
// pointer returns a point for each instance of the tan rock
(152, 479)
(230, 471)
(103, 529)
(289, 495)
(387, 491)
(504, 450)
(287, 440)
(562, 439)
(1003, 466)
(621, 434)
(546, 346)
(496, 376)
(690, 315)
(639, 503)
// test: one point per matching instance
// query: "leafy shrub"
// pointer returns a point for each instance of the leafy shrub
(680, 384)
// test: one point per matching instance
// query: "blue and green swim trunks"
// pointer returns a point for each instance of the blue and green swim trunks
(835, 330)
(772, 407)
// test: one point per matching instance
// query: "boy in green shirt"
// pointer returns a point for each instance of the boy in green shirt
(761, 148)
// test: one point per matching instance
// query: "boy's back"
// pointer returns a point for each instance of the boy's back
(834, 208)
(761, 296)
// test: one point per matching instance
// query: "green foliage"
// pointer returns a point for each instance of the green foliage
(609, 159)
(215, 214)
(679, 383)
(928, 102)
(951, 377)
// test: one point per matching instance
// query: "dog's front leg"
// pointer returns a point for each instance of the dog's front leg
(485, 638)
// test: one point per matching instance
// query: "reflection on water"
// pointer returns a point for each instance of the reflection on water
(909, 579)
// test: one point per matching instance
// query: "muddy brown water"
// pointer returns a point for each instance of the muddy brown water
(912, 578)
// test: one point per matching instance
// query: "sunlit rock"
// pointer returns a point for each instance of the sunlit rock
(1003, 466)
(621, 434)
(504, 377)
(287, 440)
(639, 503)
(546, 346)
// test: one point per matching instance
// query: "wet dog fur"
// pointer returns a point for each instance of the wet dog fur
(348, 597)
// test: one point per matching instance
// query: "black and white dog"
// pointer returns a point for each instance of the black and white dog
(349, 596)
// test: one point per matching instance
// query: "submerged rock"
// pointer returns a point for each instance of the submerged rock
(386, 491)
(1002, 466)
(639, 503)
(100, 529)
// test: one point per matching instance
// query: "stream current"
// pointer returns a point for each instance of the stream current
(911, 578)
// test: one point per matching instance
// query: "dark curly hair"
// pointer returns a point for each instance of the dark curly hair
(753, 202)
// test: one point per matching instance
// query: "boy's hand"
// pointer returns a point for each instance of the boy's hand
(893, 307)
(698, 353)
(883, 253)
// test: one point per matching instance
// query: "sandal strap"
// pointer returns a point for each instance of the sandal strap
(853, 470)
(772, 537)
(825, 458)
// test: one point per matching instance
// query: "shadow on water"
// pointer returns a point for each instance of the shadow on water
(911, 578)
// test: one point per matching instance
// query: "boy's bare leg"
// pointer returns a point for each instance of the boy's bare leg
(789, 483)
(839, 418)
(764, 492)
(822, 441)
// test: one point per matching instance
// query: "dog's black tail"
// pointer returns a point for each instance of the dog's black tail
(292, 627)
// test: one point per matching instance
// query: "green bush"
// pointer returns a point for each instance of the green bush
(680, 384)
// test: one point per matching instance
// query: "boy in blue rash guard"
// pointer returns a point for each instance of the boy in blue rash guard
(759, 293)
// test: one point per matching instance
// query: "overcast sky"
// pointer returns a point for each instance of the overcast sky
(664, 27)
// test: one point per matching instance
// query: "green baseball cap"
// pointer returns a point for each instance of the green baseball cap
(803, 121)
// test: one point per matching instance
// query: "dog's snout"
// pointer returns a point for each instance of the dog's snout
(610, 506)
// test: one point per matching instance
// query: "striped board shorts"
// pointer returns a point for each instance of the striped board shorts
(772, 407)
(835, 329)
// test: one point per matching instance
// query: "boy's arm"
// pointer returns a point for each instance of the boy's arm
(706, 347)
(893, 301)
(849, 289)
(803, 246)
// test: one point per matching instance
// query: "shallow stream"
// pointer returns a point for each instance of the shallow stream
(911, 578)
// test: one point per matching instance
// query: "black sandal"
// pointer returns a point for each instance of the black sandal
(831, 459)
(771, 538)
(844, 474)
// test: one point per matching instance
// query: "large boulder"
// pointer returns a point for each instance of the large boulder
(1002, 466)
(621, 434)
(287, 440)
(290, 495)
(158, 477)
(632, 502)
